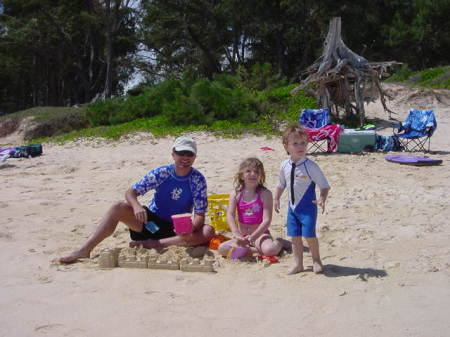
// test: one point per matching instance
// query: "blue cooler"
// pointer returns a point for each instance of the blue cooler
(351, 140)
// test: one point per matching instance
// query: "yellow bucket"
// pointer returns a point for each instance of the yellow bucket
(217, 211)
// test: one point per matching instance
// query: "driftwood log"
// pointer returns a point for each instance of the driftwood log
(345, 80)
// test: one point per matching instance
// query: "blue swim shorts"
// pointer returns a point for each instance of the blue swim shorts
(165, 229)
(302, 224)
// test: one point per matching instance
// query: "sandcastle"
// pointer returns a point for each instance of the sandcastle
(139, 257)
(187, 264)
(109, 258)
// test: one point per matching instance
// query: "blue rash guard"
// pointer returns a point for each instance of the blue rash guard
(302, 215)
(174, 194)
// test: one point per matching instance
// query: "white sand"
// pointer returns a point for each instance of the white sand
(384, 242)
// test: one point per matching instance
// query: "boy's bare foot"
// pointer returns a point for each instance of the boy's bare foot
(149, 244)
(317, 267)
(295, 270)
(74, 256)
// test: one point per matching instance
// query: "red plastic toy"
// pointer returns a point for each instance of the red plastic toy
(271, 259)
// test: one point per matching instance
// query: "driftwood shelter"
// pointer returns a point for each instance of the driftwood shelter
(343, 80)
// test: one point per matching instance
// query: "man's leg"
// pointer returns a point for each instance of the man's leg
(199, 237)
(120, 211)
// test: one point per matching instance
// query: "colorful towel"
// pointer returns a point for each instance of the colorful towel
(330, 132)
(5, 153)
(387, 143)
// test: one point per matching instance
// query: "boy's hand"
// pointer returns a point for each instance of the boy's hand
(276, 205)
(320, 203)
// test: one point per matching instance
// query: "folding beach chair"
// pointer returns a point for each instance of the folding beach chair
(417, 129)
(317, 123)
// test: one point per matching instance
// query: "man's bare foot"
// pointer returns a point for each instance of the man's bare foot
(149, 244)
(317, 267)
(74, 256)
(295, 270)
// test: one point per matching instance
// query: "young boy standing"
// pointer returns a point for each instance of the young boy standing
(300, 175)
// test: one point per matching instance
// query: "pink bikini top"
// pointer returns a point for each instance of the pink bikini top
(250, 213)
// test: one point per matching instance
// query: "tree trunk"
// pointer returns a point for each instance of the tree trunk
(108, 51)
(341, 76)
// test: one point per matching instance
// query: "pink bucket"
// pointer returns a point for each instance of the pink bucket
(182, 223)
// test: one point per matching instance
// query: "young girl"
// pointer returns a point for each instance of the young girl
(253, 203)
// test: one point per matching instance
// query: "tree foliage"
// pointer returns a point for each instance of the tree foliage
(55, 52)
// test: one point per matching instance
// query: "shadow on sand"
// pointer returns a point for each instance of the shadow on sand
(332, 270)
(5, 166)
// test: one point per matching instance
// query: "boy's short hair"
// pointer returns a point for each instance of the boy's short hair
(294, 129)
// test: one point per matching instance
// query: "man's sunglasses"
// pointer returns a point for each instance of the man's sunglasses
(184, 153)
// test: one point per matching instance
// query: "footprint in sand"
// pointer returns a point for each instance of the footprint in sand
(4, 235)
(49, 203)
(44, 279)
(48, 327)
(66, 169)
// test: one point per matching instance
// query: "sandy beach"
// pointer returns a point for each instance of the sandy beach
(384, 241)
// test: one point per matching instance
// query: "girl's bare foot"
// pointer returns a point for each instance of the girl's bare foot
(74, 256)
(295, 270)
(317, 267)
(149, 244)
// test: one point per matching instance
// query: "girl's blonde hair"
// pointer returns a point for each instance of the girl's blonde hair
(245, 164)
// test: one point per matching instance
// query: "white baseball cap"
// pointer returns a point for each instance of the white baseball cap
(185, 144)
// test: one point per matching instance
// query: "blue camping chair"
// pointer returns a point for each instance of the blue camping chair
(416, 130)
(315, 118)
(317, 123)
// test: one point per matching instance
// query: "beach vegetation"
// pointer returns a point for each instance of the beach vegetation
(63, 53)
(435, 78)
(225, 106)
(44, 121)
(256, 102)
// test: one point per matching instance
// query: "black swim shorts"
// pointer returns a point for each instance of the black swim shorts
(165, 229)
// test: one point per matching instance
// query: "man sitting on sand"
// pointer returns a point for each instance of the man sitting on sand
(179, 188)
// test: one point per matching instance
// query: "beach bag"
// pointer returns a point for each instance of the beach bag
(27, 151)
(387, 143)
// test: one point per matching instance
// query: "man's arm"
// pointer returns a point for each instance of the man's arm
(198, 222)
(139, 211)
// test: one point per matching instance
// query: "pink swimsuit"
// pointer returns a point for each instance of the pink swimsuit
(250, 213)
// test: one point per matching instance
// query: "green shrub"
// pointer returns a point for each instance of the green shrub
(260, 77)
(402, 74)
(199, 101)
(208, 101)
(297, 103)
(280, 94)
(429, 78)
(227, 81)
(185, 111)
(98, 113)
